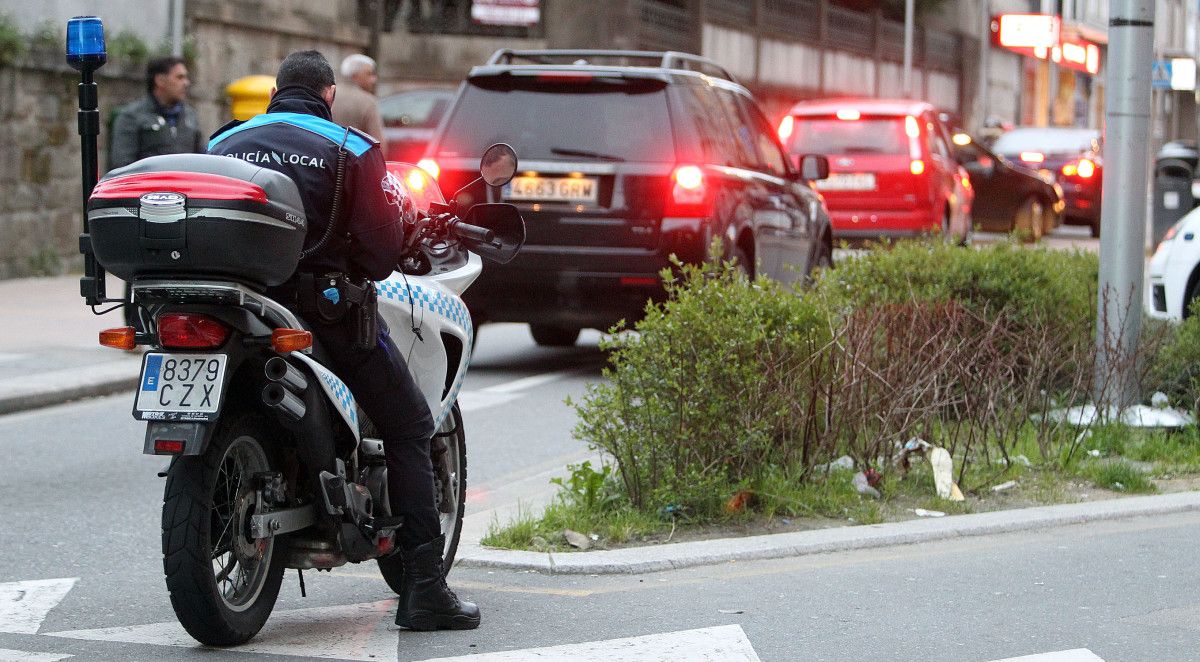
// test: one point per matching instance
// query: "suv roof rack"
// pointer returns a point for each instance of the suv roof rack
(664, 59)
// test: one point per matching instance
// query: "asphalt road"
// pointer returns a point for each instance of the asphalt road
(81, 575)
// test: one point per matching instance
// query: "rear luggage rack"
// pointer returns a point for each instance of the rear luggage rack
(664, 59)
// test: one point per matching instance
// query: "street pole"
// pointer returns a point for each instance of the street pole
(985, 44)
(1123, 205)
(177, 28)
(908, 47)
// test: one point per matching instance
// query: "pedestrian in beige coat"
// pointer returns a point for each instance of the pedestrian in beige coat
(356, 104)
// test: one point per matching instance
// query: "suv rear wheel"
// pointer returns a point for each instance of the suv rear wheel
(554, 336)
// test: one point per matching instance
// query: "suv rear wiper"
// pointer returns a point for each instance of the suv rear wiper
(585, 153)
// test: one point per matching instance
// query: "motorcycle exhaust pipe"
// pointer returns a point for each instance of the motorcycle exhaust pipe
(274, 395)
(279, 370)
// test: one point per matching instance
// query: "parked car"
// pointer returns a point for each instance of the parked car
(1009, 197)
(409, 120)
(892, 171)
(1173, 275)
(626, 160)
(1071, 157)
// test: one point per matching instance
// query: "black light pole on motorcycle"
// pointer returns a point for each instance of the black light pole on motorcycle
(86, 54)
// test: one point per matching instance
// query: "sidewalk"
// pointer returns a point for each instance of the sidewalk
(49, 352)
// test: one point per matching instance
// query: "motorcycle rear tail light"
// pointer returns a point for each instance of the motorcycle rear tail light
(168, 446)
(191, 331)
(122, 337)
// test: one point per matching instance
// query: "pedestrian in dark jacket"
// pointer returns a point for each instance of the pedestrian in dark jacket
(296, 136)
(158, 123)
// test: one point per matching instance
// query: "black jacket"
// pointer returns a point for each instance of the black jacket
(297, 137)
(140, 130)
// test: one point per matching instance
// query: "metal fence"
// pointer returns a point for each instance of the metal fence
(667, 25)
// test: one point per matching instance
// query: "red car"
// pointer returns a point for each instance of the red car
(892, 171)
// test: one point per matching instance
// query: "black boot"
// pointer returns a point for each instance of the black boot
(427, 603)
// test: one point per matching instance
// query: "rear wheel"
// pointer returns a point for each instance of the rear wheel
(449, 454)
(223, 583)
(554, 336)
(1029, 220)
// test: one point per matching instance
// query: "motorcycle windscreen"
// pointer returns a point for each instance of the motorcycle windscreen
(507, 226)
(418, 185)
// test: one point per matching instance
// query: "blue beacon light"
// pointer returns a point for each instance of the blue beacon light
(85, 42)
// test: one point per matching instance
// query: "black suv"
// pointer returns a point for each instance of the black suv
(626, 157)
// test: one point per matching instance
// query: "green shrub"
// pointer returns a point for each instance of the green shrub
(714, 386)
(1174, 368)
(12, 42)
(127, 48)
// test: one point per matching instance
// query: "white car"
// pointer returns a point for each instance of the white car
(1173, 279)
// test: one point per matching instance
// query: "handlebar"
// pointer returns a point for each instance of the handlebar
(473, 233)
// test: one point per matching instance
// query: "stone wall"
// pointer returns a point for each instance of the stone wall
(40, 182)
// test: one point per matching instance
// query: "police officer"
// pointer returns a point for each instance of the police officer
(297, 137)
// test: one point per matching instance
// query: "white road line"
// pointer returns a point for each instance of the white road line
(24, 605)
(1073, 655)
(7, 655)
(476, 400)
(532, 381)
(727, 643)
(350, 632)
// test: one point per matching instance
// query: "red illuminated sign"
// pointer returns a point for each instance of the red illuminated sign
(1026, 30)
(1040, 36)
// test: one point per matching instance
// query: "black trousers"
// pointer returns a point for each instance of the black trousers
(383, 387)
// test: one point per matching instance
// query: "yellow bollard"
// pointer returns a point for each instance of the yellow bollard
(249, 95)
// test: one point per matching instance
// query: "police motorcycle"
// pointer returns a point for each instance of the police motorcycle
(232, 388)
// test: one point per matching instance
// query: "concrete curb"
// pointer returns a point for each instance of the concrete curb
(59, 386)
(636, 560)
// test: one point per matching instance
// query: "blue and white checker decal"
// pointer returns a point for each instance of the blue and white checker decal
(447, 306)
(440, 303)
(337, 391)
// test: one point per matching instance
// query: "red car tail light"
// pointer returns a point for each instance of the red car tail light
(786, 126)
(689, 192)
(917, 167)
(1087, 168)
(430, 166)
(191, 331)
(564, 77)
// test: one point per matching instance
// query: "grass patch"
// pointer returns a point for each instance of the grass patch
(1118, 476)
(545, 533)
(780, 494)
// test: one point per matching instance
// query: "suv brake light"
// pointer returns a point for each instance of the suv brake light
(564, 77)
(430, 166)
(689, 192)
(786, 126)
(191, 331)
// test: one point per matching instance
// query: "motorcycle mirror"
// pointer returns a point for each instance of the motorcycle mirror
(498, 165)
(507, 226)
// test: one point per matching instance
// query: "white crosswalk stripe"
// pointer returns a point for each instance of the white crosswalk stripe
(727, 643)
(365, 632)
(1073, 655)
(24, 605)
(7, 655)
(351, 632)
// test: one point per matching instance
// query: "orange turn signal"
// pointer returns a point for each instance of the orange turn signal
(122, 337)
(290, 340)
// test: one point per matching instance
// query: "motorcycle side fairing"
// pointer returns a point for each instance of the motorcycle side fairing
(423, 313)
